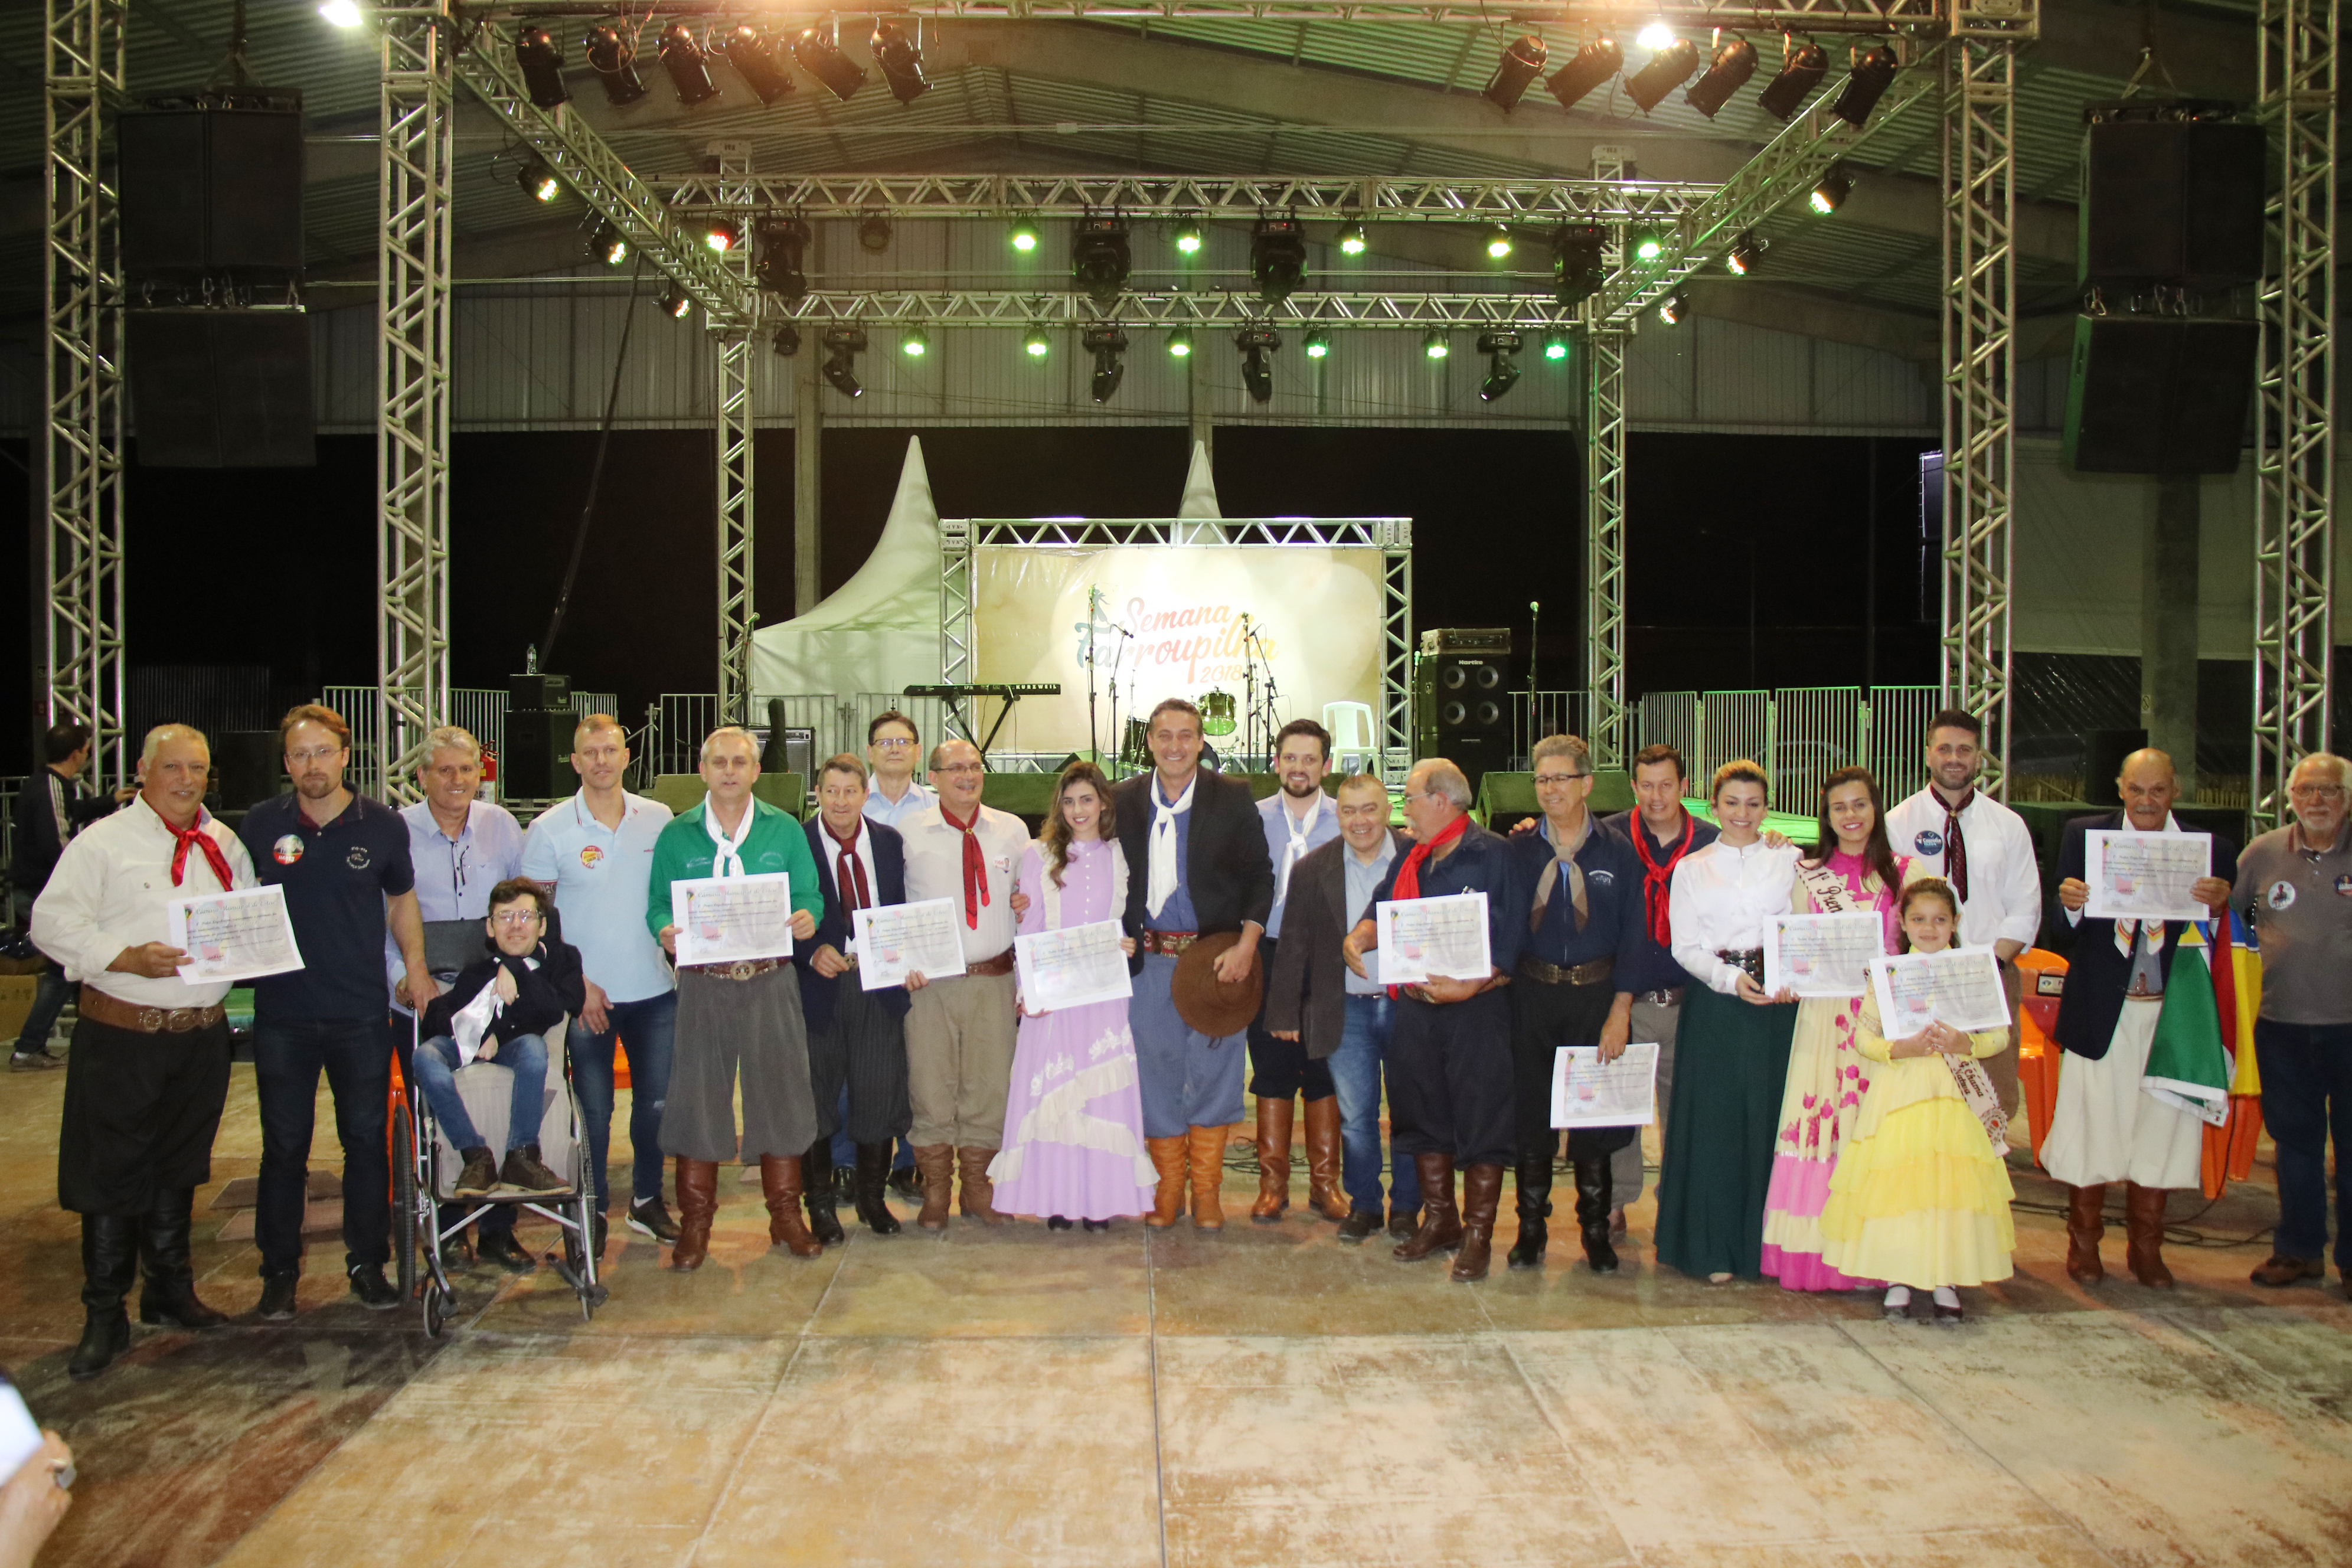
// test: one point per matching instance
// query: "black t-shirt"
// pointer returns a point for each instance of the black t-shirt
(336, 879)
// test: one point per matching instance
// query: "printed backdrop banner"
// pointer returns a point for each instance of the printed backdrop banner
(1315, 611)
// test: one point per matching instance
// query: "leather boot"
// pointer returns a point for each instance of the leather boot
(1168, 1156)
(169, 1296)
(1482, 1194)
(780, 1184)
(1205, 1150)
(1274, 1123)
(979, 1191)
(2085, 1225)
(1592, 1195)
(2144, 1232)
(1324, 1195)
(1441, 1226)
(873, 1179)
(110, 1261)
(1533, 1175)
(936, 1163)
(816, 1178)
(697, 1204)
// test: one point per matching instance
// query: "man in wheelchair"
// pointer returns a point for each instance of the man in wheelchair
(536, 984)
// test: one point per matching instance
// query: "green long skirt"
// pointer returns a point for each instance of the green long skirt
(1731, 1063)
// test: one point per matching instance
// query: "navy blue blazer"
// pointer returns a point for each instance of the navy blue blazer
(2096, 975)
(888, 877)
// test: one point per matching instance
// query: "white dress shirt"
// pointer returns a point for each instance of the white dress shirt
(829, 850)
(2004, 897)
(935, 870)
(1721, 897)
(110, 891)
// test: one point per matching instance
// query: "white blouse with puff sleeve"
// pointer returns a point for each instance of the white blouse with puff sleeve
(1721, 897)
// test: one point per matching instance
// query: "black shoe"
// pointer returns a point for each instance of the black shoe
(480, 1174)
(456, 1254)
(1096, 1224)
(651, 1217)
(1404, 1224)
(105, 1335)
(35, 1061)
(374, 1291)
(278, 1297)
(1359, 1226)
(845, 1184)
(499, 1247)
(1055, 1222)
(907, 1184)
(817, 1193)
(1534, 1178)
(870, 1178)
(522, 1172)
(598, 1229)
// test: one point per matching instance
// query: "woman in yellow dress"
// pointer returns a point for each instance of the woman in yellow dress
(1920, 1198)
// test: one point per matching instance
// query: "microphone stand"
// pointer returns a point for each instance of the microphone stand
(1272, 708)
(1249, 691)
(1118, 741)
(1094, 735)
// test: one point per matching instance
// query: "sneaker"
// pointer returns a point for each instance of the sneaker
(278, 1297)
(501, 1248)
(33, 1061)
(522, 1172)
(2284, 1269)
(480, 1174)
(374, 1291)
(650, 1217)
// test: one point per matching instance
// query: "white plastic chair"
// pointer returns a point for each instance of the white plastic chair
(1351, 724)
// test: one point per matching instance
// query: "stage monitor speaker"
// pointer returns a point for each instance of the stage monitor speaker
(248, 766)
(1495, 640)
(548, 693)
(2172, 200)
(2103, 751)
(222, 389)
(537, 763)
(2157, 394)
(213, 188)
(790, 749)
(1462, 712)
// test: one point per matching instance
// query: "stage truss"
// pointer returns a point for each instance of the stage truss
(1392, 536)
(1605, 506)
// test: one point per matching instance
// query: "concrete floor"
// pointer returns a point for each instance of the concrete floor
(1021, 1396)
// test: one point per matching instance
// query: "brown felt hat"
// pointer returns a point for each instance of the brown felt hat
(1202, 1001)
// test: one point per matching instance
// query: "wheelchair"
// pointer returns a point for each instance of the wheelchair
(426, 1168)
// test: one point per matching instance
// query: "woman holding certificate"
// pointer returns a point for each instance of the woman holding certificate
(1733, 1043)
(1074, 1117)
(1825, 960)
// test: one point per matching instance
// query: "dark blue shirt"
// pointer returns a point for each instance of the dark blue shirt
(1653, 967)
(1480, 863)
(336, 877)
(1612, 901)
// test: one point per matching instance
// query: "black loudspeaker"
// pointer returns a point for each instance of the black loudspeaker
(2172, 200)
(213, 187)
(537, 765)
(2158, 394)
(2103, 751)
(248, 765)
(1462, 711)
(222, 389)
(548, 693)
(790, 749)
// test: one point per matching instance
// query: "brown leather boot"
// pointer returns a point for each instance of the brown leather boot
(979, 1191)
(2144, 1233)
(1441, 1225)
(2083, 1228)
(936, 1163)
(1205, 1148)
(1274, 1123)
(698, 1200)
(780, 1184)
(1168, 1156)
(1482, 1194)
(1324, 1195)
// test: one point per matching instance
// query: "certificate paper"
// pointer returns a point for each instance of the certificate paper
(1433, 939)
(1588, 1092)
(729, 919)
(1959, 986)
(1822, 955)
(1072, 967)
(233, 936)
(2145, 876)
(900, 939)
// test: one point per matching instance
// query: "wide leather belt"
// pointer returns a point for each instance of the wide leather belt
(1750, 959)
(1591, 972)
(115, 1013)
(746, 969)
(1001, 965)
(1170, 942)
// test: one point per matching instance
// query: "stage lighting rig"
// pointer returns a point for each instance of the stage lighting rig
(1832, 193)
(1277, 258)
(1872, 75)
(1106, 343)
(1188, 237)
(1656, 35)
(542, 67)
(1498, 242)
(1351, 239)
(1501, 350)
(1522, 62)
(901, 59)
(1556, 346)
(1037, 344)
(1786, 93)
(1647, 246)
(874, 233)
(674, 303)
(1667, 70)
(788, 340)
(754, 59)
(723, 235)
(1747, 252)
(340, 14)
(615, 60)
(821, 56)
(1023, 235)
(1179, 342)
(1675, 309)
(1434, 346)
(841, 347)
(688, 68)
(1578, 268)
(780, 268)
(1733, 64)
(916, 343)
(1257, 376)
(1100, 256)
(1590, 67)
(607, 245)
(537, 180)
(1317, 344)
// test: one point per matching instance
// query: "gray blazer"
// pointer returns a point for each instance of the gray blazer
(1308, 988)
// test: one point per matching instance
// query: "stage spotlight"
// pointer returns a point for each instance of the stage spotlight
(1319, 344)
(822, 58)
(607, 245)
(1726, 74)
(1023, 235)
(674, 303)
(1498, 242)
(1674, 308)
(1179, 342)
(615, 60)
(1037, 344)
(1501, 350)
(754, 59)
(1746, 252)
(874, 232)
(782, 246)
(1872, 75)
(1099, 256)
(1188, 237)
(1556, 346)
(1520, 64)
(1277, 258)
(901, 60)
(788, 340)
(1648, 245)
(1786, 93)
(1831, 194)
(1666, 70)
(542, 67)
(1577, 267)
(916, 343)
(1434, 346)
(841, 347)
(1106, 343)
(1655, 37)
(342, 13)
(1592, 66)
(690, 71)
(1257, 376)
(1351, 239)
(723, 235)
(537, 180)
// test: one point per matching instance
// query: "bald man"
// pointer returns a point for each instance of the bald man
(2106, 1128)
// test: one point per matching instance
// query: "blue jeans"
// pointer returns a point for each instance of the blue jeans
(50, 999)
(525, 1056)
(1355, 1075)
(2307, 1097)
(288, 1055)
(649, 1029)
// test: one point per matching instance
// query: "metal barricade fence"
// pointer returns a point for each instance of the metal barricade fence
(357, 705)
(680, 721)
(1536, 714)
(1734, 725)
(1816, 729)
(1672, 719)
(1895, 745)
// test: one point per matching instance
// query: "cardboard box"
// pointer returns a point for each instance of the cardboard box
(16, 1002)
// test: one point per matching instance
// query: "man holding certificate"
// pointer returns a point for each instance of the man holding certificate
(738, 1004)
(149, 1069)
(2106, 1127)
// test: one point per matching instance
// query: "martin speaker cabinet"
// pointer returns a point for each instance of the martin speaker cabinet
(248, 766)
(2171, 200)
(548, 693)
(2158, 394)
(211, 188)
(1462, 711)
(537, 763)
(222, 389)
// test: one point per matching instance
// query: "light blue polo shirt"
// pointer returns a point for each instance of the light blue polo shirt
(454, 877)
(602, 878)
(1322, 826)
(880, 808)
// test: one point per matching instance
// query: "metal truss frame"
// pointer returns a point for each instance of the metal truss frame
(961, 308)
(1605, 506)
(732, 358)
(80, 456)
(1766, 15)
(2294, 449)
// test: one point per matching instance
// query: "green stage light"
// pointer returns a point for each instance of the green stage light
(915, 345)
(1555, 346)
(1179, 342)
(1319, 344)
(1351, 239)
(1188, 237)
(1024, 236)
(1037, 344)
(1435, 346)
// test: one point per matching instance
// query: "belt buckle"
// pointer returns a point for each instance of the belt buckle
(180, 1020)
(741, 969)
(151, 1020)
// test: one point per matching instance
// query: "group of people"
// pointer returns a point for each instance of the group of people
(1800, 1141)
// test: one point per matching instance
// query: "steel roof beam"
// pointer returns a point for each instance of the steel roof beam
(1374, 200)
(1806, 16)
(1396, 309)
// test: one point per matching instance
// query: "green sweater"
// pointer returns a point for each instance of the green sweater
(684, 852)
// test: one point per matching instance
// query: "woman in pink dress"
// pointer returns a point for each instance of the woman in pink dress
(1074, 1117)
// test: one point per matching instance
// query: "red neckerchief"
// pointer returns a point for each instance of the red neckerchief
(1956, 849)
(975, 867)
(849, 872)
(1658, 882)
(1408, 877)
(201, 840)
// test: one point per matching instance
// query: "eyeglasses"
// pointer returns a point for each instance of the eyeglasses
(2316, 791)
(1543, 779)
(891, 744)
(516, 918)
(315, 754)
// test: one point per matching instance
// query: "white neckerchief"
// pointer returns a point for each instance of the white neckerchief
(727, 861)
(1161, 884)
(1297, 845)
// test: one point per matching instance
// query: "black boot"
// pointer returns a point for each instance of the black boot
(816, 1174)
(110, 1260)
(873, 1177)
(1534, 1208)
(1592, 1195)
(169, 1296)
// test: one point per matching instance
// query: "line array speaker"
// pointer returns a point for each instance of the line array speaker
(2173, 201)
(2158, 394)
(213, 186)
(222, 389)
